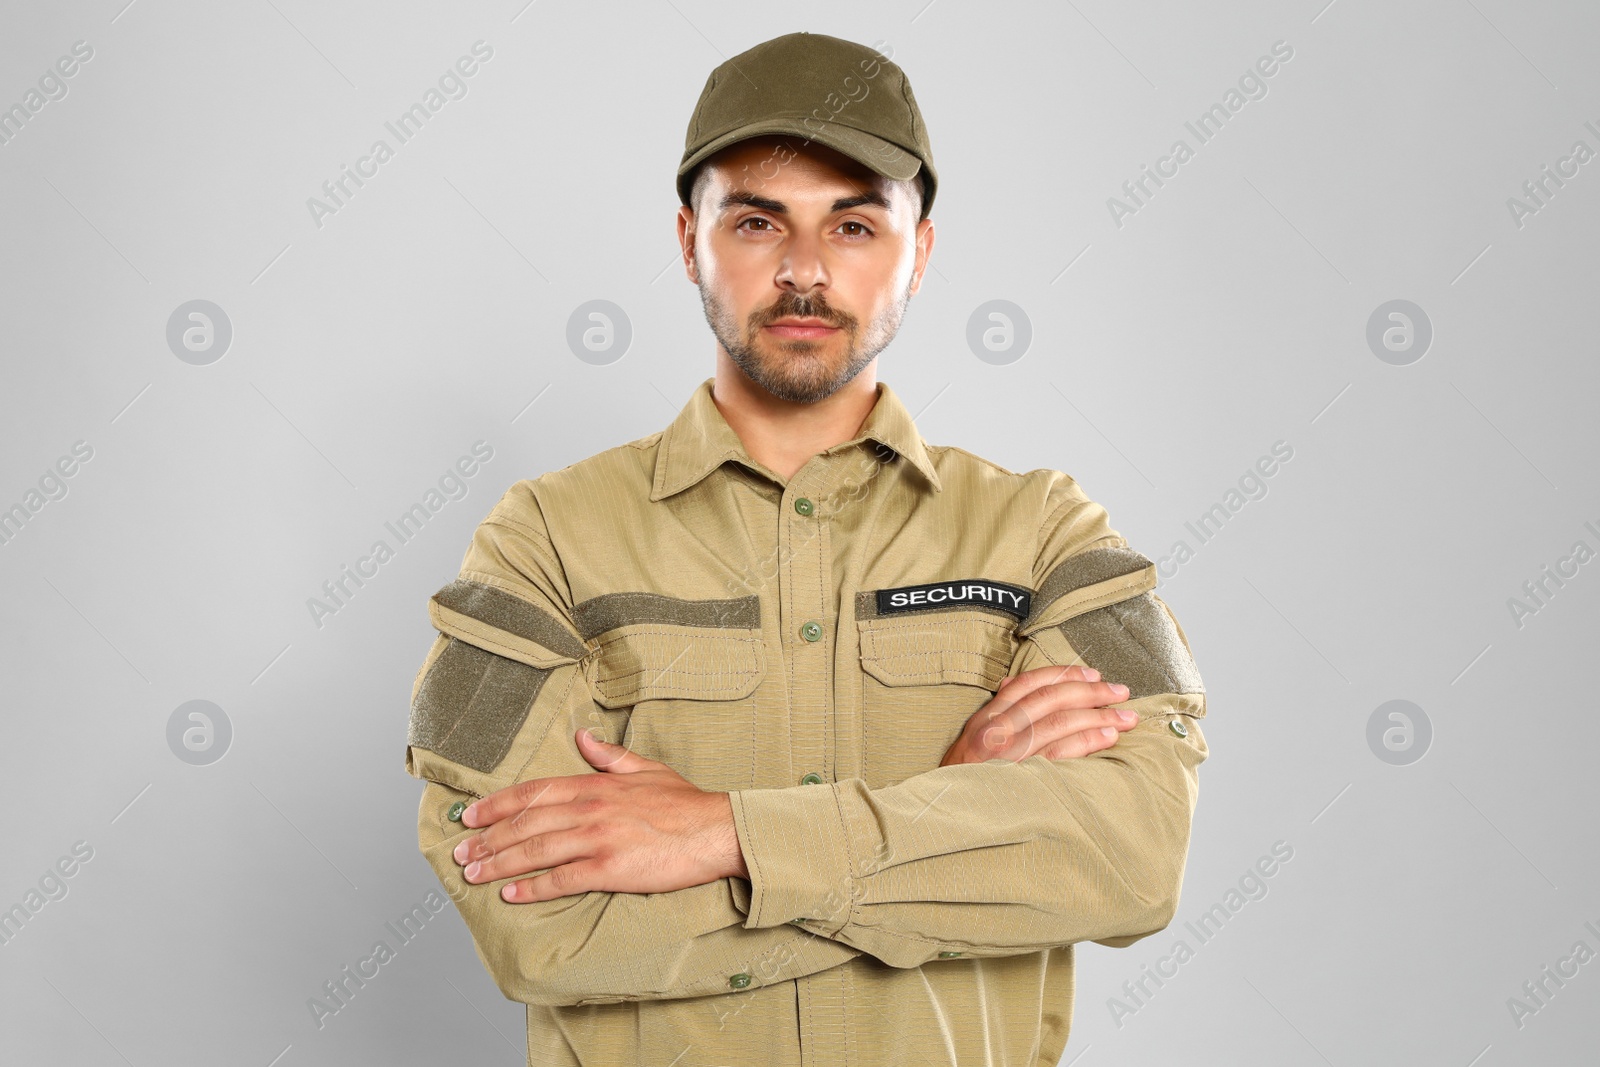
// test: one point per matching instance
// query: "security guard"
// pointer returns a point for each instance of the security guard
(880, 729)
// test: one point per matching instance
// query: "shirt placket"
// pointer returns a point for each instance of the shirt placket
(809, 621)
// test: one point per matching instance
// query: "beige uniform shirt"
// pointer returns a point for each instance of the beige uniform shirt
(812, 647)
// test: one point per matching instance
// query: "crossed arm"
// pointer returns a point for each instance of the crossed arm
(654, 889)
(644, 828)
(1022, 840)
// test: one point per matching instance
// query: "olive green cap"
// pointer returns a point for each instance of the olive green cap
(844, 95)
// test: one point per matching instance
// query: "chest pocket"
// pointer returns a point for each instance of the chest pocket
(689, 694)
(938, 647)
(923, 676)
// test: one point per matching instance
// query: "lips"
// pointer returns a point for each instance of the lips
(801, 328)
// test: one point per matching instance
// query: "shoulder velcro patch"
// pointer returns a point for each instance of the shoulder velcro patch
(1135, 642)
(503, 622)
(597, 615)
(477, 691)
(471, 704)
(1087, 581)
(1102, 602)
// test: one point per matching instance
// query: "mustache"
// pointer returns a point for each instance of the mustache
(801, 307)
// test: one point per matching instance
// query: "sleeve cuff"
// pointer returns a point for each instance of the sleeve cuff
(739, 890)
(797, 850)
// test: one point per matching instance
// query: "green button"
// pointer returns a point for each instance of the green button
(454, 814)
(739, 981)
(811, 631)
(797, 922)
(948, 955)
(811, 778)
(804, 506)
(1177, 727)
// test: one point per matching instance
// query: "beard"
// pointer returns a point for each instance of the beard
(798, 369)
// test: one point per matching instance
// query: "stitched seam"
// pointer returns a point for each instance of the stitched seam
(849, 858)
(679, 633)
(883, 932)
(509, 651)
(1048, 524)
(878, 657)
(538, 539)
(881, 504)
(730, 679)
(572, 680)
(991, 464)
(942, 672)
(755, 854)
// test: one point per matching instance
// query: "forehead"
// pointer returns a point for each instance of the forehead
(764, 165)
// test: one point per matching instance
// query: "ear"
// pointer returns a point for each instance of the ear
(924, 243)
(686, 242)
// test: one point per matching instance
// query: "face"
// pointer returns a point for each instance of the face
(805, 260)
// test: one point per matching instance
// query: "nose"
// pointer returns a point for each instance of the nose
(802, 269)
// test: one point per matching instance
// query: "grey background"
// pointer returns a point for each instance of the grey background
(1168, 354)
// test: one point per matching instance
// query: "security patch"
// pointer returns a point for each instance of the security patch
(960, 592)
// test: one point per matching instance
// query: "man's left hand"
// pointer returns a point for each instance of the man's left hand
(637, 827)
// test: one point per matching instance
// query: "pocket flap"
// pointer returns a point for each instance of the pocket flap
(658, 661)
(936, 647)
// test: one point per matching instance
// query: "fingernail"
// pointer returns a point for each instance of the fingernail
(1125, 715)
(1091, 674)
(472, 870)
(1107, 731)
(1120, 688)
(460, 852)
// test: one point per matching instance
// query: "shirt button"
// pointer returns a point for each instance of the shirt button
(454, 814)
(948, 955)
(811, 778)
(739, 981)
(804, 506)
(811, 630)
(1177, 727)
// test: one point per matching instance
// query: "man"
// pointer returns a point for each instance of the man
(857, 785)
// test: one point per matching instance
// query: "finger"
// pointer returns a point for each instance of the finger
(1053, 696)
(1082, 743)
(569, 878)
(1060, 723)
(1091, 724)
(514, 798)
(511, 831)
(536, 853)
(1009, 731)
(605, 756)
(1017, 686)
(1021, 712)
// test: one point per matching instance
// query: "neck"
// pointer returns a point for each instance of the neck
(782, 435)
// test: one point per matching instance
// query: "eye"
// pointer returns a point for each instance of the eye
(853, 222)
(757, 218)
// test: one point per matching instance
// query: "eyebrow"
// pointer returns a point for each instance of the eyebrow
(777, 207)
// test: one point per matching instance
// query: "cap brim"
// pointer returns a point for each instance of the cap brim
(880, 156)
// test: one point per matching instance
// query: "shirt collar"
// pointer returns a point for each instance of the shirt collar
(700, 440)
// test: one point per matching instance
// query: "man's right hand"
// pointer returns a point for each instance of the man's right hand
(1059, 712)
